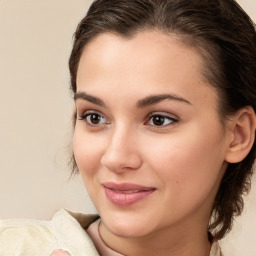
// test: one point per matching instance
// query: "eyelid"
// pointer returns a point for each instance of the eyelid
(85, 114)
(164, 114)
(174, 119)
(90, 111)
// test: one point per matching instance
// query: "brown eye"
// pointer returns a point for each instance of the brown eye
(158, 120)
(94, 118)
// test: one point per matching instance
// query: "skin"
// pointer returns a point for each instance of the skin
(184, 160)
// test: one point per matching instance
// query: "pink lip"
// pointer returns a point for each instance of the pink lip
(126, 194)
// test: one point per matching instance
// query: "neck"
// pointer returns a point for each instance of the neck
(172, 241)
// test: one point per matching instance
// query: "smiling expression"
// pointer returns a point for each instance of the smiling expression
(148, 141)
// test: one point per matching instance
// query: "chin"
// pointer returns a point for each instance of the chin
(127, 230)
(127, 226)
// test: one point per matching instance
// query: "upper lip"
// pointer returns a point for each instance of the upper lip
(126, 186)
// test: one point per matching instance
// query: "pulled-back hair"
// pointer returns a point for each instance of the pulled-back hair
(225, 37)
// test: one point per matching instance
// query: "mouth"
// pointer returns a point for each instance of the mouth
(126, 194)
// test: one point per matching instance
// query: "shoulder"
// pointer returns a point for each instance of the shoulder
(35, 237)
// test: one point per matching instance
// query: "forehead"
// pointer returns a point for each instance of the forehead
(149, 62)
(149, 48)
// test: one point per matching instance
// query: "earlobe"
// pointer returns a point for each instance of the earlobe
(243, 135)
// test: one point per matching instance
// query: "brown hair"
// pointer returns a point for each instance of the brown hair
(224, 35)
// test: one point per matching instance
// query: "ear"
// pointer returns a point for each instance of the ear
(243, 125)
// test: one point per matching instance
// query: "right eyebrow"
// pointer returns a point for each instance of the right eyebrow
(90, 98)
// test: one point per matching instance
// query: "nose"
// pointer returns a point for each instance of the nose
(122, 153)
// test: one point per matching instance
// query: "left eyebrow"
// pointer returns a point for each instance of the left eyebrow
(154, 99)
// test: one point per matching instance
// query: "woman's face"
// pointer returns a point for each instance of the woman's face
(148, 141)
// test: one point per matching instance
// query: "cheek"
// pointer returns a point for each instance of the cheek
(188, 164)
(87, 152)
(178, 152)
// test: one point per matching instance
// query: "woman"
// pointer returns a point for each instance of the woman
(164, 130)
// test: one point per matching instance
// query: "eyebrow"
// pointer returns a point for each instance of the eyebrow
(90, 98)
(154, 99)
(150, 100)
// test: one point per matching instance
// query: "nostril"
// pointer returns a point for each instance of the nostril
(121, 162)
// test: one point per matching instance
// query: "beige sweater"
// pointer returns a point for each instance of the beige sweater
(64, 233)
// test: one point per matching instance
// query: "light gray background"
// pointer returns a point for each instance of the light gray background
(35, 118)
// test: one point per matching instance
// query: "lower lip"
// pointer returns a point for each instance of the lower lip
(126, 199)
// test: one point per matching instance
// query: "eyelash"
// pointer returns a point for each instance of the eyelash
(90, 114)
(164, 117)
(161, 117)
